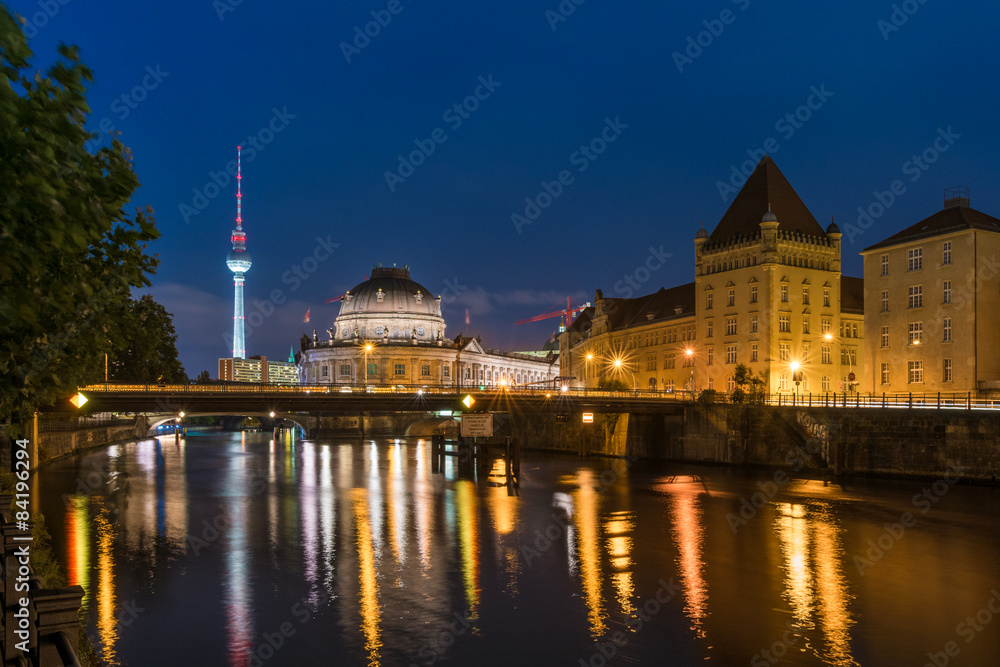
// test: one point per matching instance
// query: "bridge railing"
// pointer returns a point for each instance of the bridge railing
(940, 400)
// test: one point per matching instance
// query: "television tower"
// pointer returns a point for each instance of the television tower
(239, 263)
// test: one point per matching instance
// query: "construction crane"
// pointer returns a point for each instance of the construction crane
(567, 315)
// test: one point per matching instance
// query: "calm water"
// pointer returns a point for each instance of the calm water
(235, 549)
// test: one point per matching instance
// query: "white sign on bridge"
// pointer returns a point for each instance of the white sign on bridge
(477, 426)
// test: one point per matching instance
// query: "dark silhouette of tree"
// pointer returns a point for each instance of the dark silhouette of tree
(69, 253)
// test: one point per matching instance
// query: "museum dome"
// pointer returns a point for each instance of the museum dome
(390, 305)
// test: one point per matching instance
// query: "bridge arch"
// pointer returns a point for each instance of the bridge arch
(431, 426)
(297, 419)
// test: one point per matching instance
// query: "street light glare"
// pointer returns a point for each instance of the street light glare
(794, 365)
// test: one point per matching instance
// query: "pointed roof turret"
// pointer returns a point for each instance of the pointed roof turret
(766, 191)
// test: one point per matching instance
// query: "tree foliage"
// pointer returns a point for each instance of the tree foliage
(749, 389)
(69, 253)
(204, 377)
(144, 344)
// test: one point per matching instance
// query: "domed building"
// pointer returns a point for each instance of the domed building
(394, 325)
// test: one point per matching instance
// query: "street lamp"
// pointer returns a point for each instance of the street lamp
(850, 360)
(586, 379)
(796, 375)
(689, 354)
(368, 348)
(619, 364)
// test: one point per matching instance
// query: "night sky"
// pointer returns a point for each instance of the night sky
(643, 108)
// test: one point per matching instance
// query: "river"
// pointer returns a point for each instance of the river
(240, 549)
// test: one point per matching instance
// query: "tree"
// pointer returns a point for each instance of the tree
(144, 344)
(612, 384)
(69, 253)
(749, 389)
(204, 378)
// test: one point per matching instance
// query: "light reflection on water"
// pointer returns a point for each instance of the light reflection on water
(397, 565)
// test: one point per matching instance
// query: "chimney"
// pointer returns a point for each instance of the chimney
(956, 196)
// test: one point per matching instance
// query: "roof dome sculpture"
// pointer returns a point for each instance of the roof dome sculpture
(833, 228)
(769, 216)
(389, 305)
(702, 233)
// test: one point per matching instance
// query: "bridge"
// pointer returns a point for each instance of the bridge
(264, 399)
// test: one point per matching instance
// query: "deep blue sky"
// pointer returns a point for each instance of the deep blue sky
(324, 173)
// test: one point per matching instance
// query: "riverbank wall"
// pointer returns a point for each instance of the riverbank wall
(893, 442)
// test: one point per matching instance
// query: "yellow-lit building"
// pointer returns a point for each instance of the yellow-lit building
(768, 293)
(932, 304)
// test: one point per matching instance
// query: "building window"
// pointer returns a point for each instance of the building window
(946, 370)
(380, 295)
(825, 325)
(731, 301)
(753, 352)
(916, 332)
(711, 356)
(825, 354)
(783, 352)
(784, 324)
(711, 326)
(885, 372)
(753, 324)
(425, 370)
(884, 340)
(708, 301)
(326, 371)
(668, 385)
(730, 354)
(445, 371)
(825, 383)
(730, 384)
(885, 265)
(372, 369)
(345, 370)
(399, 369)
(947, 292)
(915, 259)
(855, 330)
(783, 382)
(753, 294)
(916, 296)
(826, 298)
(805, 324)
(946, 258)
(651, 362)
(916, 371)
(669, 360)
(805, 296)
(946, 330)
(885, 301)
(711, 383)
(784, 294)
(731, 326)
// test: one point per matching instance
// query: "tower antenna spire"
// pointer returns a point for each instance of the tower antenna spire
(239, 190)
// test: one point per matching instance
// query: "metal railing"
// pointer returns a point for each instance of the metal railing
(940, 400)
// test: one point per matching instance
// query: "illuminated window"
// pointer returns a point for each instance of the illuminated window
(825, 383)
(784, 324)
(783, 382)
(916, 371)
(783, 352)
(885, 372)
(425, 370)
(884, 339)
(825, 325)
(916, 332)
(946, 370)
(825, 354)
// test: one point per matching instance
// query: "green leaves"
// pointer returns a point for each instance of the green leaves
(69, 252)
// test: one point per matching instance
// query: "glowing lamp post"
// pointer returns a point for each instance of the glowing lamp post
(796, 375)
